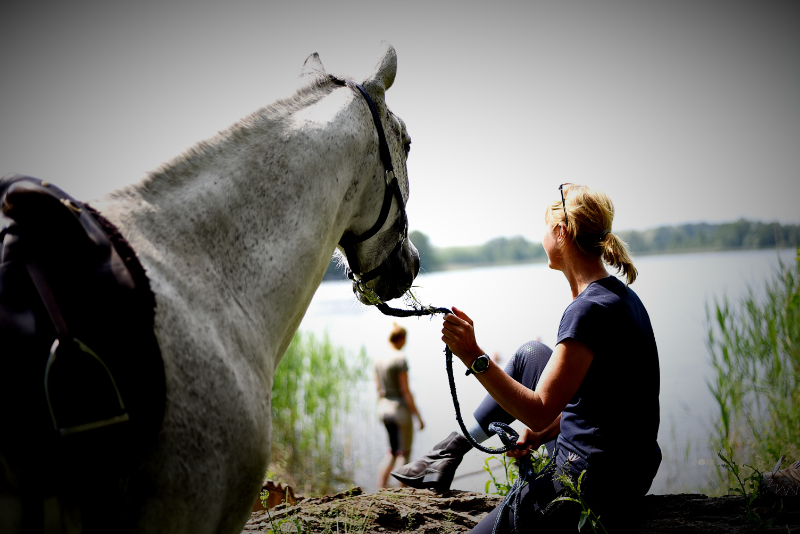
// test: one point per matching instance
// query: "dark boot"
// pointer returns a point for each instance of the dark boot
(436, 469)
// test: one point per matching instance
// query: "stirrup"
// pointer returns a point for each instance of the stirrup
(90, 381)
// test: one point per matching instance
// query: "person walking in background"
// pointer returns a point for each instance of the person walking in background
(395, 403)
(593, 401)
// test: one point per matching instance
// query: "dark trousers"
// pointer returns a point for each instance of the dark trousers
(604, 489)
(526, 368)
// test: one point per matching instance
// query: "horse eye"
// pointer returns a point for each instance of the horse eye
(407, 146)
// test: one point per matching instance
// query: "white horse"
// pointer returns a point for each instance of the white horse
(235, 236)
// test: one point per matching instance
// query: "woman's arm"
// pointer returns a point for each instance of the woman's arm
(559, 382)
(402, 381)
(378, 384)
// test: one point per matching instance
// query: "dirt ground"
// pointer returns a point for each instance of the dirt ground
(423, 511)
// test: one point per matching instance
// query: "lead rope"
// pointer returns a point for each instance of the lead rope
(507, 435)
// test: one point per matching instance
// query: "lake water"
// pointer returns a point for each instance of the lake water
(513, 304)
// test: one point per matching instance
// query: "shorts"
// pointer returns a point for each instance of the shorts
(397, 419)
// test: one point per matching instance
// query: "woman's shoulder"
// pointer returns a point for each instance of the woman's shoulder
(396, 360)
(598, 300)
(601, 293)
(606, 292)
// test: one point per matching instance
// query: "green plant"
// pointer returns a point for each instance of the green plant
(411, 519)
(293, 525)
(449, 526)
(539, 461)
(755, 350)
(314, 387)
(511, 470)
(264, 496)
(576, 496)
(352, 522)
(750, 488)
(279, 528)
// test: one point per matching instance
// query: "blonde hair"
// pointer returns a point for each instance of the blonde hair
(398, 333)
(588, 220)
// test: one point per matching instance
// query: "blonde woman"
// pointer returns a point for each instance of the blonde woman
(396, 404)
(593, 399)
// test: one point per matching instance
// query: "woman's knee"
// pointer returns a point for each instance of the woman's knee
(528, 363)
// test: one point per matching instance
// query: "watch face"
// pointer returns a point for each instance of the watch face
(480, 364)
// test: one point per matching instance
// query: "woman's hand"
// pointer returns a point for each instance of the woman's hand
(530, 440)
(421, 424)
(458, 333)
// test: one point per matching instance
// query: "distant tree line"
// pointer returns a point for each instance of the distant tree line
(738, 235)
(741, 234)
(500, 250)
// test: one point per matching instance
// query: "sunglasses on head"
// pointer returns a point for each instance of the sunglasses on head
(563, 204)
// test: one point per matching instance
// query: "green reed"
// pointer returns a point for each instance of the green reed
(315, 387)
(574, 494)
(755, 350)
(511, 470)
(539, 461)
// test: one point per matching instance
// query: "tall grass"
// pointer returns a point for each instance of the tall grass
(755, 350)
(315, 387)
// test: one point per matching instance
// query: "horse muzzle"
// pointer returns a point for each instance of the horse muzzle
(397, 273)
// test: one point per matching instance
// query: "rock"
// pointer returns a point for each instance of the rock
(398, 510)
(691, 512)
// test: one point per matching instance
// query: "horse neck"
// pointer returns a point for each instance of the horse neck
(253, 219)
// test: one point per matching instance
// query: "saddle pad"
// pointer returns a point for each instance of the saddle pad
(105, 300)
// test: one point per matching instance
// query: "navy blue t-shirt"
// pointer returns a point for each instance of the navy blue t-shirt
(615, 413)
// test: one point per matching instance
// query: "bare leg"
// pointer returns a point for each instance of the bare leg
(385, 467)
(401, 460)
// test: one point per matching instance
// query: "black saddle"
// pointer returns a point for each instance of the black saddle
(82, 386)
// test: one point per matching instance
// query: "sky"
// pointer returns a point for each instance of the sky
(682, 111)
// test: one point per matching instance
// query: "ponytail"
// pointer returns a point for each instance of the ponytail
(615, 253)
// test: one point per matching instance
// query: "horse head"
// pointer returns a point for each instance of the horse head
(382, 262)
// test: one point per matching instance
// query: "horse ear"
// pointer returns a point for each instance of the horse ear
(385, 71)
(313, 67)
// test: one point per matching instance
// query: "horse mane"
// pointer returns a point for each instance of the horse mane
(315, 89)
(172, 172)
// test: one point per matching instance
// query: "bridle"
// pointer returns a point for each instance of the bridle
(348, 242)
(392, 190)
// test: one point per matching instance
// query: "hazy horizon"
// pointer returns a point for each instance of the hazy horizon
(640, 230)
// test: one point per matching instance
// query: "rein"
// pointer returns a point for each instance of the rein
(507, 435)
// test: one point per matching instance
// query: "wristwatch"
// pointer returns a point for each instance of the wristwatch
(480, 365)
